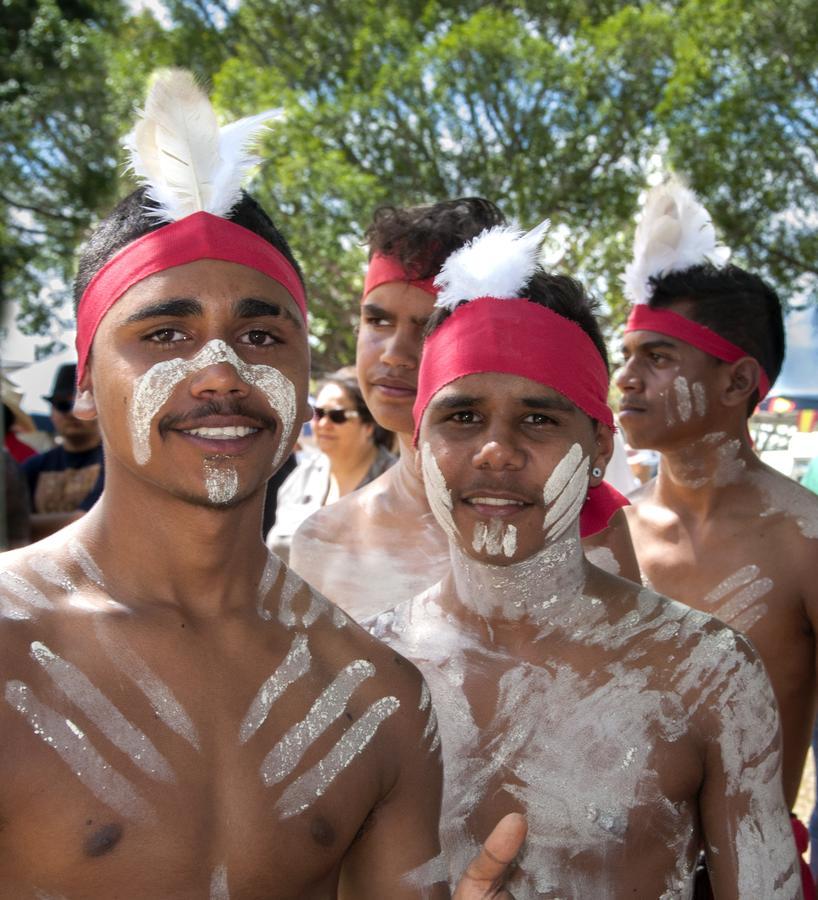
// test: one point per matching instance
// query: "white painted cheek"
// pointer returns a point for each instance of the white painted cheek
(565, 492)
(221, 480)
(437, 492)
(684, 400)
(699, 398)
(153, 389)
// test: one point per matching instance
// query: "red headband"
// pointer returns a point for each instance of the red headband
(665, 321)
(198, 236)
(387, 270)
(514, 337)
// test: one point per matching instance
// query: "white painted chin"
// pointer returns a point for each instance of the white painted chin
(496, 539)
(221, 480)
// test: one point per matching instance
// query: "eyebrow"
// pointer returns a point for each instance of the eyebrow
(185, 307)
(457, 401)
(253, 307)
(372, 309)
(656, 345)
(176, 307)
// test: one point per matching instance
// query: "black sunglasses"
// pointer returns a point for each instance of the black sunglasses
(338, 416)
(63, 406)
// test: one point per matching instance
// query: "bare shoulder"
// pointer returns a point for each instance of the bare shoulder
(781, 497)
(332, 523)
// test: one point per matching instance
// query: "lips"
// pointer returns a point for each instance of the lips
(495, 504)
(225, 435)
(397, 388)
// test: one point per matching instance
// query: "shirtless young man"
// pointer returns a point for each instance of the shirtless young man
(717, 529)
(381, 544)
(182, 716)
(631, 728)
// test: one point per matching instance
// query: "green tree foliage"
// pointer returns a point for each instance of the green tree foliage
(556, 109)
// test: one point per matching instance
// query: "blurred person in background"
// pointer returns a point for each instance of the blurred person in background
(64, 483)
(353, 450)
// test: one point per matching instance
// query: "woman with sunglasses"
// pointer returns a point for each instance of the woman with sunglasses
(352, 451)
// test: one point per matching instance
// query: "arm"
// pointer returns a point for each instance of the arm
(747, 835)
(402, 834)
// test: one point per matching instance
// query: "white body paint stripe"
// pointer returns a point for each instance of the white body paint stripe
(314, 783)
(295, 665)
(76, 686)
(271, 569)
(168, 709)
(79, 754)
(219, 889)
(85, 561)
(20, 589)
(328, 708)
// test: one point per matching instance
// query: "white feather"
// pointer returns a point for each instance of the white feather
(499, 263)
(179, 153)
(675, 232)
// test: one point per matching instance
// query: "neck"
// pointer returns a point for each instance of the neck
(348, 474)
(405, 480)
(526, 590)
(699, 472)
(169, 552)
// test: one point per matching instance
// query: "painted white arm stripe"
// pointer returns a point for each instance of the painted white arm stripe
(77, 688)
(79, 754)
(295, 665)
(314, 783)
(328, 708)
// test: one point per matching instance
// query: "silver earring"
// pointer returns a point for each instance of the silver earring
(596, 472)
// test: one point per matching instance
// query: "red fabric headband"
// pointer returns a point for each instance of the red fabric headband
(199, 236)
(672, 324)
(515, 337)
(387, 270)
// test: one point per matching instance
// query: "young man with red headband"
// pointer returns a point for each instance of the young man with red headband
(182, 715)
(629, 727)
(381, 545)
(717, 529)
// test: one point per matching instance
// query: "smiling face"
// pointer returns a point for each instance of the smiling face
(390, 338)
(668, 391)
(506, 464)
(199, 378)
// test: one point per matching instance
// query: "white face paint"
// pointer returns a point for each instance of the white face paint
(684, 400)
(565, 492)
(495, 538)
(221, 479)
(699, 398)
(437, 492)
(153, 389)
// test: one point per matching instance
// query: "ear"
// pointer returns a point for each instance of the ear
(603, 438)
(85, 405)
(742, 380)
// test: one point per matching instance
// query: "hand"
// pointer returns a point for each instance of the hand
(486, 872)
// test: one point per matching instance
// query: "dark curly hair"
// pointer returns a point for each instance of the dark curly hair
(131, 219)
(561, 294)
(422, 237)
(734, 303)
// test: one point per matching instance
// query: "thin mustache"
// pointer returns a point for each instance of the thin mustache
(213, 408)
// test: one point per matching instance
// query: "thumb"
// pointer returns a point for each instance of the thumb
(488, 869)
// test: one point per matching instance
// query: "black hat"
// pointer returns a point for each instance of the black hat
(65, 383)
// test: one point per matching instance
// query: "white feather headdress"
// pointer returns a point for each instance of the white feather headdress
(674, 233)
(178, 152)
(499, 262)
